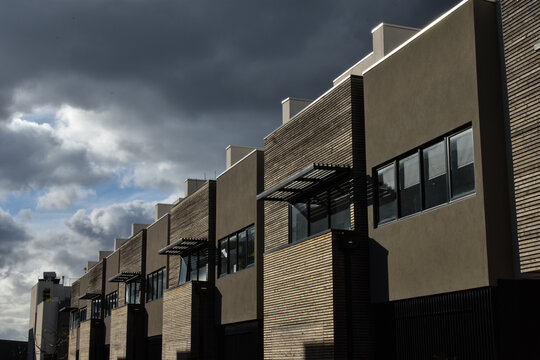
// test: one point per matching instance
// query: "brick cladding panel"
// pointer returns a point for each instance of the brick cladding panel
(130, 261)
(188, 219)
(298, 301)
(118, 333)
(84, 340)
(521, 30)
(321, 134)
(72, 350)
(95, 276)
(177, 321)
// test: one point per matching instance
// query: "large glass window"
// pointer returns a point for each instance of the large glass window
(427, 183)
(409, 185)
(82, 314)
(299, 221)
(250, 245)
(462, 163)
(154, 285)
(133, 292)
(340, 211)
(327, 209)
(74, 321)
(435, 178)
(236, 251)
(193, 266)
(387, 195)
(95, 312)
(111, 302)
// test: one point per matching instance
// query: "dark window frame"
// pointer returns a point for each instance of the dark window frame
(111, 303)
(227, 240)
(134, 289)
(155, 284)
(198, 254)
(420, 151)
(96, 309)
(306, 199)
(82, 311)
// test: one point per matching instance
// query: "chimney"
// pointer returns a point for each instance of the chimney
(119, 242)
(385, 38)
(234, 153)
(102, 254)
(135, 228)
(192, 185)
(162, 209)
(292, 106)
(89, 265)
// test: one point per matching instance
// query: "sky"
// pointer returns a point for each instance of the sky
(106, 107)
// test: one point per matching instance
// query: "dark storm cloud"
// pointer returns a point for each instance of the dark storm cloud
(12, 237)
(202, 56)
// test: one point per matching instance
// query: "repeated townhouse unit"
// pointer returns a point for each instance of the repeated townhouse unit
(394, 216)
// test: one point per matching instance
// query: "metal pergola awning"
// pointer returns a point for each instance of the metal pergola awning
(67, 309)
(182, 246)
(89, 296)
(124, 276)
(304, 181)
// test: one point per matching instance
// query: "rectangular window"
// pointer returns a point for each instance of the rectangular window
(95, 312)
(462, 164)
(223, 257)
(233, 258)
(82, 314)
(111, 302)
(133, 292)
(428, 183)
(193, 266)
(242, 248)
(409, 185)
(340, 212)
(74, 321)
(237, 251)
(299, 221)
(387, 195)
(250, 245)
(327, 209)
(435, 175)
(154, 285)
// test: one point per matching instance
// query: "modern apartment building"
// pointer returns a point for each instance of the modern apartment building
(391, 217)
(48, 328)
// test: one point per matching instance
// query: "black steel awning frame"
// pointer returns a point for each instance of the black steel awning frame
(304, 181)
(183, 246)
(124, 276)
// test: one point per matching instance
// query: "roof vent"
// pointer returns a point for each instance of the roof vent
(192, 185)
(292, 106)
(235, 153)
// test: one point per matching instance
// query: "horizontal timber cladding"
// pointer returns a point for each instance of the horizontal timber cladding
(131, 260)
(95, 279)
(316, 299)
(177, 322)
(193, 217)
(73, 339)
(329, 131)
(75, 293)
(521, 30)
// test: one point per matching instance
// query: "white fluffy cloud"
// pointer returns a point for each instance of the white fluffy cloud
(63, 197)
